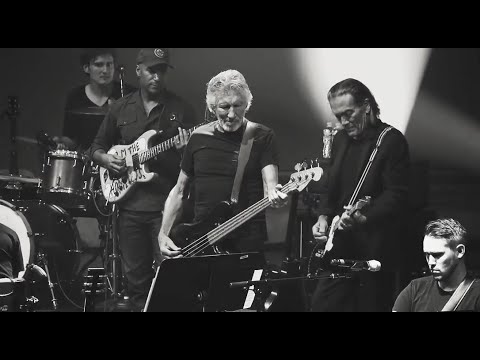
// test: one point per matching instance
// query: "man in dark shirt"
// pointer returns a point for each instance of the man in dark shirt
(444, 246)
(211, 159)
(11, 261)
(87, 104)
(368, 234)
(152, 107)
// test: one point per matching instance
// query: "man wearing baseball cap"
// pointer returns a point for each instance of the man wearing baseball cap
(154, 57)
(152, 107)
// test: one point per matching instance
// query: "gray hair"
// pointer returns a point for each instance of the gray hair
(223, 83)
(359, 92)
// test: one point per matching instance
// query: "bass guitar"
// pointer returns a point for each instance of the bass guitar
(198, 238)
(116, 187)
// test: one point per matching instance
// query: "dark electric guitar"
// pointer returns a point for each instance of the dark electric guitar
(319, 256)
(202, 237)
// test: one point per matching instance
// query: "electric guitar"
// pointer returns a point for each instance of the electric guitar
(201, 237)
(318, 255)
(116, 187)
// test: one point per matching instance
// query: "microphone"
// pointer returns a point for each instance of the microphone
(357, 265)
(327, 141)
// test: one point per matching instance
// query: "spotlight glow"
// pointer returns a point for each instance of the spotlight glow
(393, 76)
(444, 135)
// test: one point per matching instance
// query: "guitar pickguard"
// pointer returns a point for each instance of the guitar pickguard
(133, 149)
(115, 187)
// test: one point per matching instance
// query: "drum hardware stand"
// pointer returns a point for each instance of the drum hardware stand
(115, 256)
(121, 73)
(42, 258)
(12, 113)
(29, 304)
(30, 300)
(109, 229)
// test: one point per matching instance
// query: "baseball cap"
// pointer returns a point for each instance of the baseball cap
(153, 57)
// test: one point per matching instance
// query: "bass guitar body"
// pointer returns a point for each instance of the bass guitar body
(184, 235)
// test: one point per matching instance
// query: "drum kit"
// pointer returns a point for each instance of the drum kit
(42, 212)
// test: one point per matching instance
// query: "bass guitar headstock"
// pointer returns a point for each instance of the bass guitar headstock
(305, 174)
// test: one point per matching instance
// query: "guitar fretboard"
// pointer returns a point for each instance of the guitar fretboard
(149, 154)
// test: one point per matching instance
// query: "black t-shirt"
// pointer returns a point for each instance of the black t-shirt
(211, 159)
(82, 128)
(424, 295)
(11, 261)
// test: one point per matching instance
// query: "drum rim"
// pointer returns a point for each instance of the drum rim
(70, 191)
(12, 281)
(67, 154)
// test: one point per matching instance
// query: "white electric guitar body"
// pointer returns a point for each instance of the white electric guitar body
(116, 187)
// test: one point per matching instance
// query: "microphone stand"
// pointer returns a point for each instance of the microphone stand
(247, 284)
(121, 70)
(42, 259)
(118, 302)
(269, 297)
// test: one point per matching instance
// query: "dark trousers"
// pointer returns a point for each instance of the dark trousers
(364, 292)
(138, 241)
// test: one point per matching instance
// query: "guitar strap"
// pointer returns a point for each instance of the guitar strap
(458, 295)
(243, 156)
(369, 165)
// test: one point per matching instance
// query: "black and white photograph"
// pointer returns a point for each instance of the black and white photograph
(278, 180)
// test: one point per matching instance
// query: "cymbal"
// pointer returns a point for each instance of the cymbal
(95, 110)
(27, 140)
(20, 179)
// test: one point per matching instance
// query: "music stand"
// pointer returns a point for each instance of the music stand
(201, 284)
